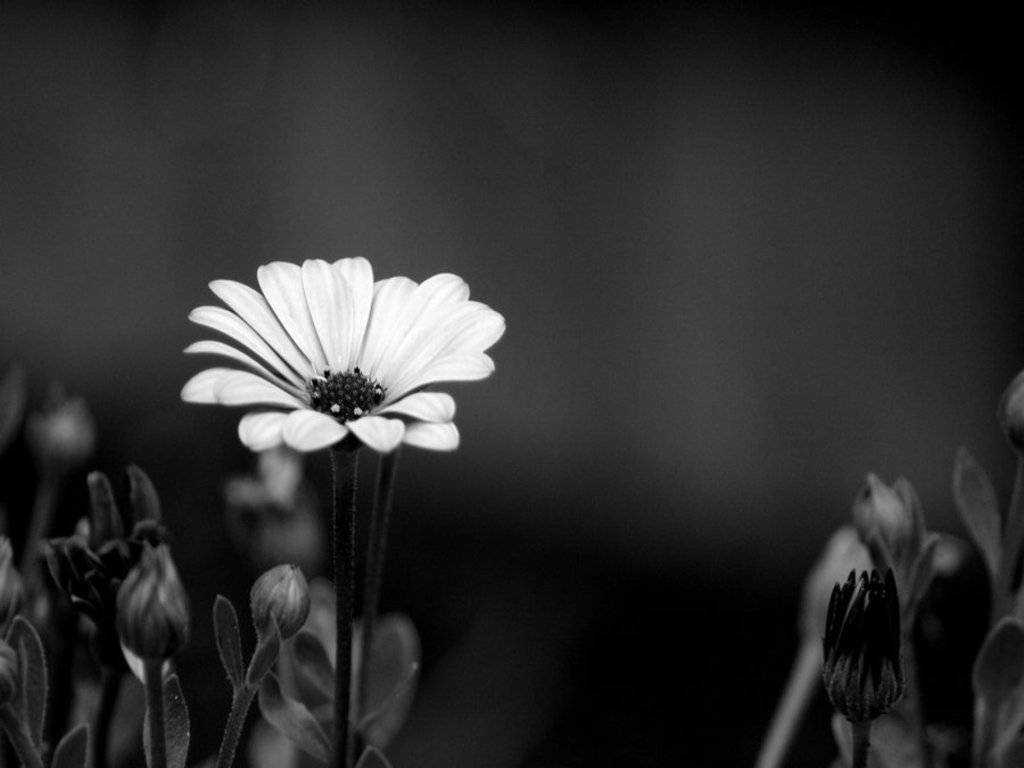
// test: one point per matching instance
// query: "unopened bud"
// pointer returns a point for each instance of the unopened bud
(282, 595)
(843, 553)
(8, 673)
(12, 593)
(152, 607)
(63, 434)
(863, 670)
(1011, 413)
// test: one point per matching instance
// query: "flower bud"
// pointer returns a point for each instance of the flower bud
(1011, 413)
(12, 593)
(280, 594)
(8, 673)
(843, 553)
(63, 434)
(880, 510)
(152, 607)
(863, 670)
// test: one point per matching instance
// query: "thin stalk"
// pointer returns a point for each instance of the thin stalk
(804, 680)
(240, 704)
(23, 746)
(343, 464)
(861, 743)
(155, 712)
(376, 546)
(108, 703)
(39, 526)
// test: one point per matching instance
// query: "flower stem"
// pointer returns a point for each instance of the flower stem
(155, 712)
(23, 746)
(375, 547)
(39, 526)
(344, 462)
(108, 702)
(800, 687)
(861, 743)
(240, 704)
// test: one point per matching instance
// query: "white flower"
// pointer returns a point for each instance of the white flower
(323, 352)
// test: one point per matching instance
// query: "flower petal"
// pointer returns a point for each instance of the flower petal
(444, 288)
(471, 367)
(202, 388)
(308, 430)
(378, 433)
(281, 283)
(244, 388)
(391, 301)
(358, 275)
(261, 430)
(235, 328)
(226, 350)
(434, 437)
(330, 307)
(425, 406)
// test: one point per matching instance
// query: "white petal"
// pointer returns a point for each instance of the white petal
(358, 274)
(471, 367)
(381, 434)
(307, 430)
(220, 348)
(202, 388)
(260, 431)
(392, 299)
(425, 406)
(330, 307)
(138, 667)
(434, 437)
(444, 288)
(281, 283)
(244, 388)
(234, 327)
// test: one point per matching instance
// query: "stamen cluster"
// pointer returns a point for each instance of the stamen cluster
(345, 396)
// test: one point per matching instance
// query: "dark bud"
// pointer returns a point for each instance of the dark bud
(282, 595)
(152, 607)
(8, 673)
(12, 593)
(863, 671)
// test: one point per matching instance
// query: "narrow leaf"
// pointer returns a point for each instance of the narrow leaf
(229, 641)
(264, 656)
(999, 668)
(73, 749)
(391, 682)
(292, 719)
(145, 502)
(106, 520)
(23, 637)
(12, 404)
(372, 758)
(314, 672)
(1013, 755)
(979, 508)
(177, 731)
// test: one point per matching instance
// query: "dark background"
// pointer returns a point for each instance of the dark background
(745, 256)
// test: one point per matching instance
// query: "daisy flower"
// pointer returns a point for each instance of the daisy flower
(322, 352)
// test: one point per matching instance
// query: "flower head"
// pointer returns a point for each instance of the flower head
(152, 608)
(325, 353)
(282, 595)
(863, 670)
(12, 592)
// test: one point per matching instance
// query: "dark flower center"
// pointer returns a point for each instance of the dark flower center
(345, 396)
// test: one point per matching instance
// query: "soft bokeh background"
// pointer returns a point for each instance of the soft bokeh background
(745, 257)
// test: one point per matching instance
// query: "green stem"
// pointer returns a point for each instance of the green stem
(804, 680)
(344, 462)
(240, 704)
(23, 746)
(155, 712)
(108, 703)
(376, 545)
(861, 743)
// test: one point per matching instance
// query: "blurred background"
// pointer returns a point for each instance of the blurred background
(746, 256)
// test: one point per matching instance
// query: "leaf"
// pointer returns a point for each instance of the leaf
(999, 668)
(979, 509)
(176, 725)
(1013, 755)
(292, 719)
(12, 404)
(264, 656)
(145, 502)
(23, 637)
(106, 520)
(73, 749)
(391, 683)
(372, 758)
(314, 672)
(229, 641)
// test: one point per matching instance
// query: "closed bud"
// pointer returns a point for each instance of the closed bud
(843, 553)
(1011, 413)
(863, 670)
(8, 673)
(152, 607)
(63, 434)
(12, 593)
(282, 595)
